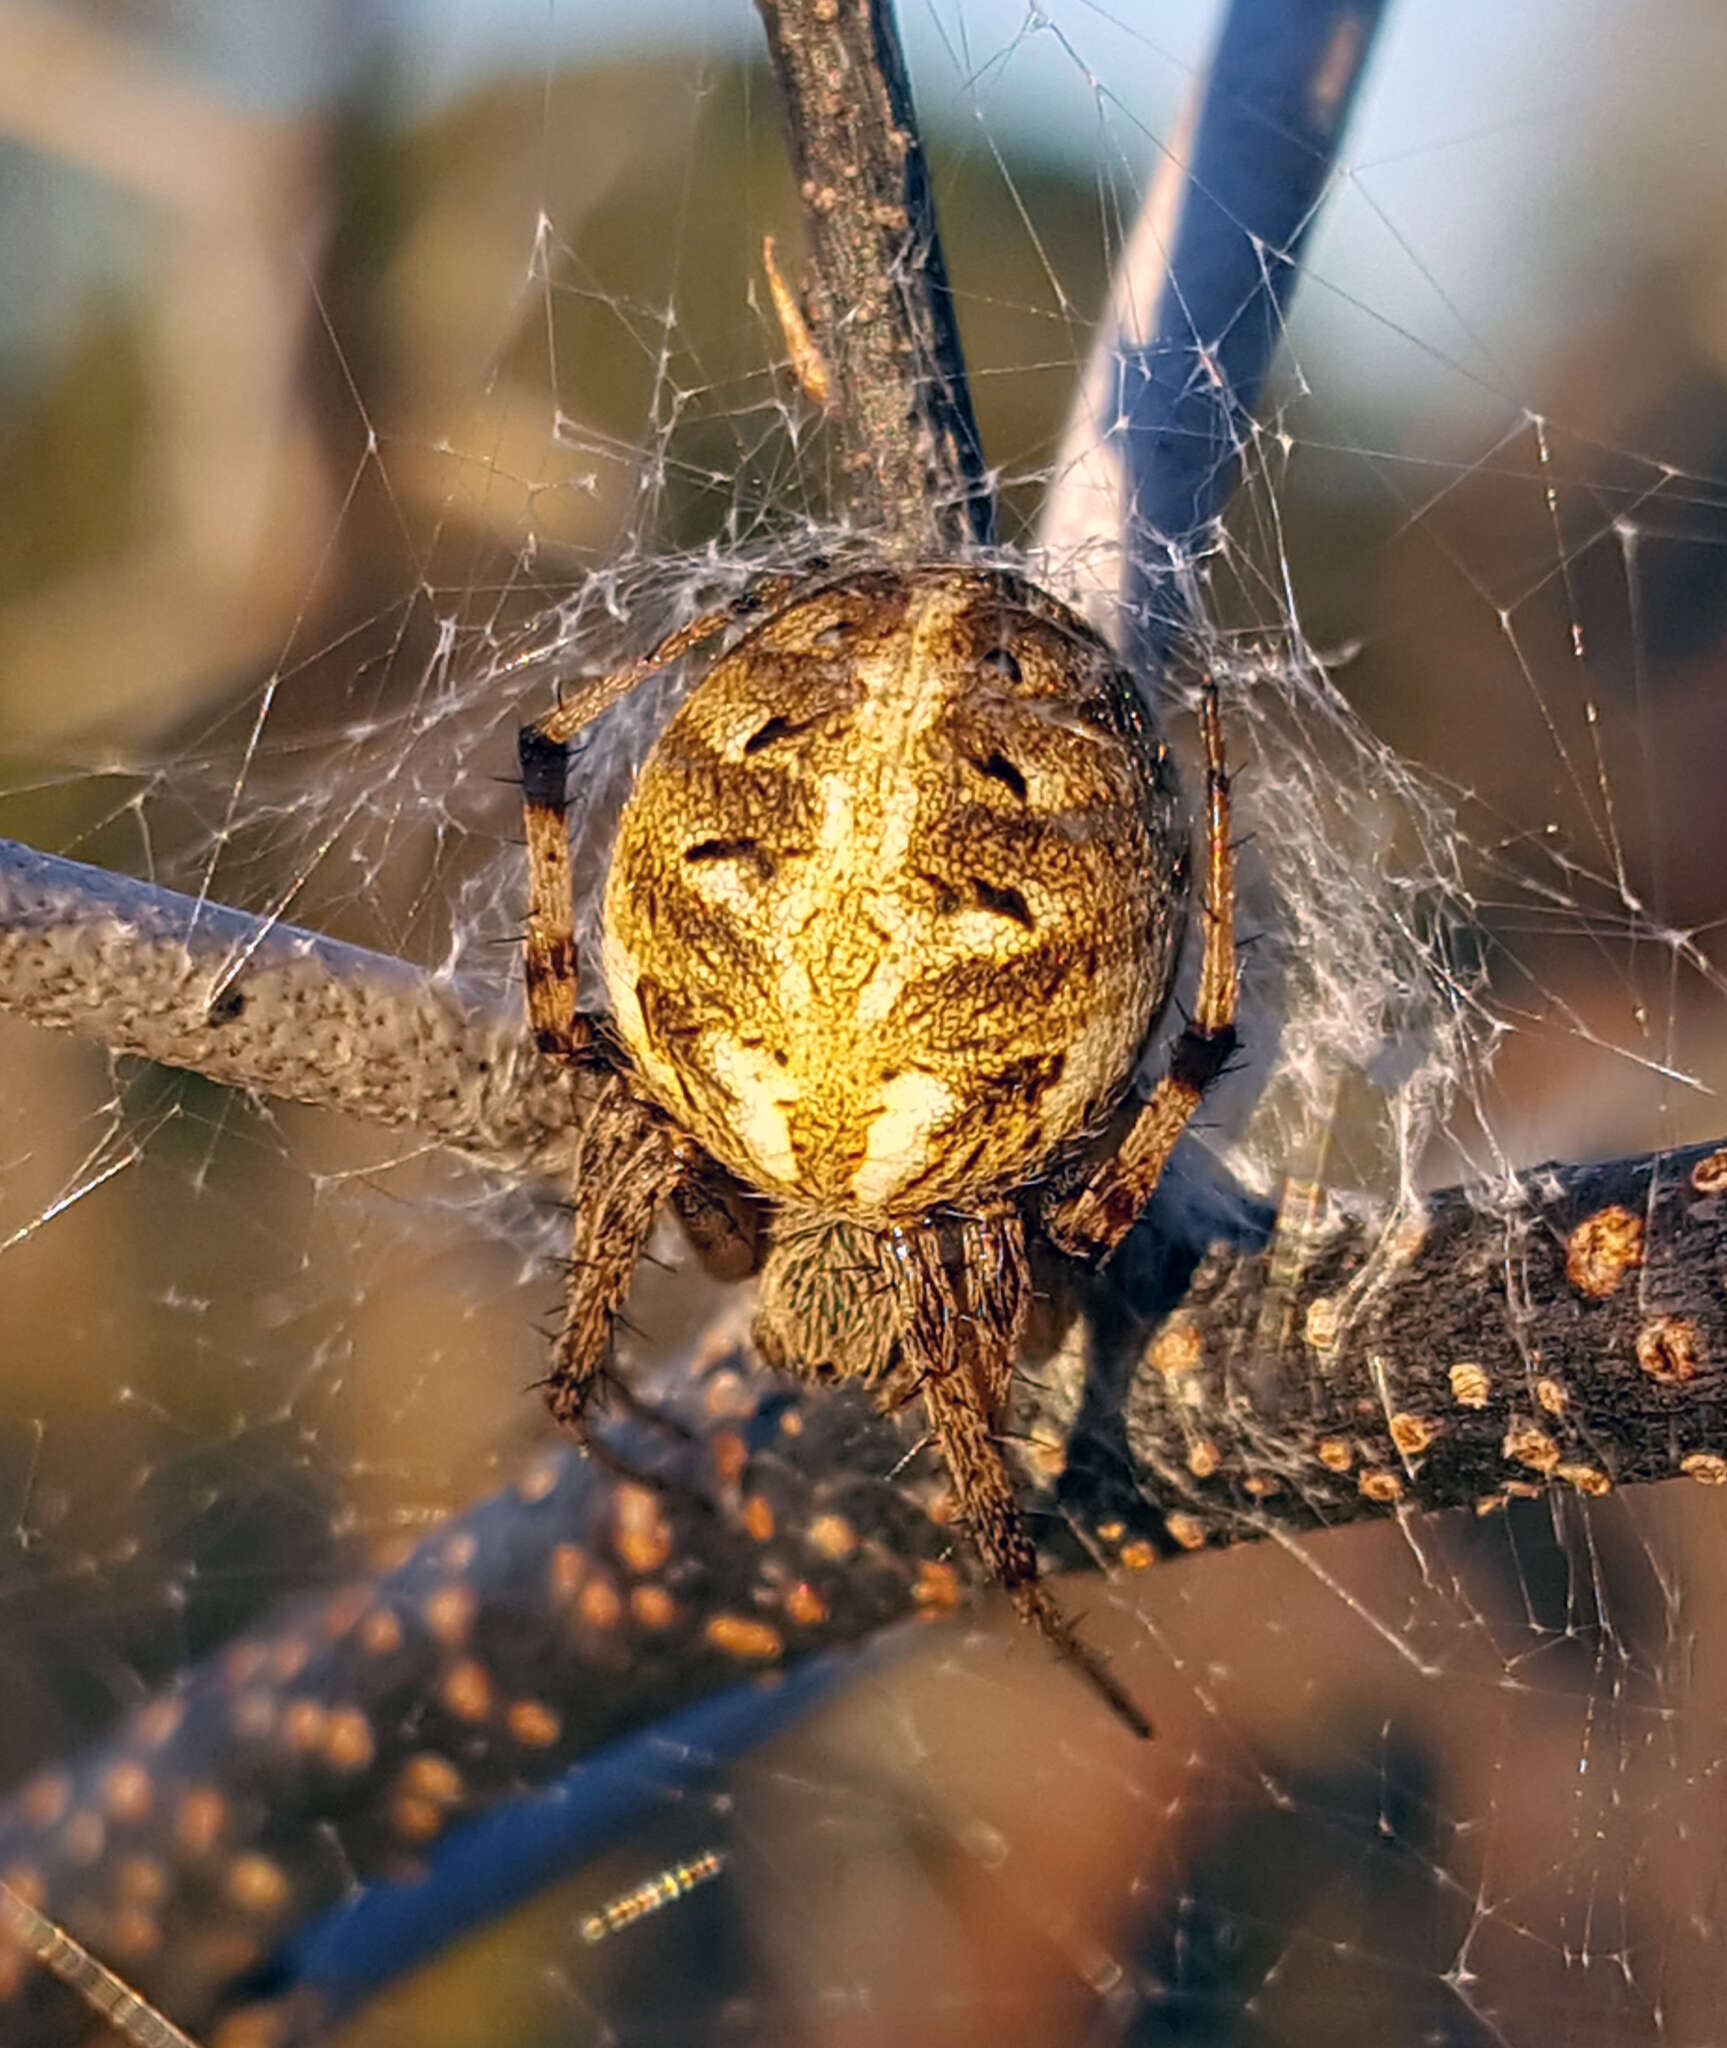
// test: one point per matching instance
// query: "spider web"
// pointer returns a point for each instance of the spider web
(472, 385)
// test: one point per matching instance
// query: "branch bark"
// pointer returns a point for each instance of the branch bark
(1237, 1378)
(354, 1732)
(881, 311)
(1568, 1329)
(281, 1011)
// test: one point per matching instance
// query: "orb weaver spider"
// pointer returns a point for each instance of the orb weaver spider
(893, 909)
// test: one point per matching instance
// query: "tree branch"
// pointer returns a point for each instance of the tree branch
(881, 311)
(282, 1012)
(350, 1734)
(1568, 1329)
(1235, 1379)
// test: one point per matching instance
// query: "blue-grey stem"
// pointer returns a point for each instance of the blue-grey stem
(1275, 103)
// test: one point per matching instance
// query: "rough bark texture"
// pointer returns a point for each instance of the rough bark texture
(280, 1011)
(880, 310)
(1569, 1330)
(345, 1738)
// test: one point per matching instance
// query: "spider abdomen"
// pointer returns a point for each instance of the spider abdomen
(896, 898)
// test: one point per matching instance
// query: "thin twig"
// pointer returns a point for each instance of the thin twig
(880, 310)
(280, 1011)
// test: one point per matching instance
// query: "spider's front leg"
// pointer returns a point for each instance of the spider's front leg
(627, 1162)
(960, 1333)
(1092, 1221)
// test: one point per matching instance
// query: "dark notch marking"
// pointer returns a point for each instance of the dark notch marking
(1000, 769)
(1007, 903)
(777, 728)
(664, 1017)
(941, 1166)
(750, 850)
(1004, 662)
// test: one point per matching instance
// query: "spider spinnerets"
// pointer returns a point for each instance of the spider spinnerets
(893, 908)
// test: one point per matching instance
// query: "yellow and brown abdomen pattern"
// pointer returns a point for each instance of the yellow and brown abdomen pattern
(897, 895)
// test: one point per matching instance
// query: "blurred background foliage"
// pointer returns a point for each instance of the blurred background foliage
(287, 383)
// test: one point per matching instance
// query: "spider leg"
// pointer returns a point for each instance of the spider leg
(543, 750)
(963, 1355)
(626, 1163)
(549, 955)
(1093, 1220)
(998, 1289)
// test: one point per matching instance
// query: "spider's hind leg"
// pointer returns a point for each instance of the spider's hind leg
(962, 1351)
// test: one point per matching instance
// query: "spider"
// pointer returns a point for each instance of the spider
(893, 908)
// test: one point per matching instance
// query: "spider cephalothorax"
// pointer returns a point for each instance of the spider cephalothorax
(893, 908)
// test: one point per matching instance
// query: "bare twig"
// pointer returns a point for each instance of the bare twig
(1571, 1334)
(880, 310)
(351, 1733)
(280, 1011)
(1567, 1330)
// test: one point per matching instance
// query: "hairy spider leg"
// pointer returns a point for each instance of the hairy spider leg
(626, 1164)
(961, 1347)
(1091, 1222)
